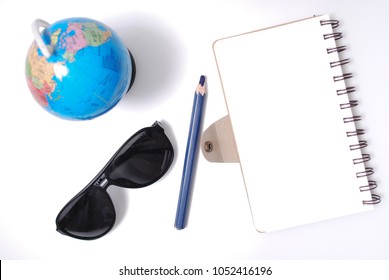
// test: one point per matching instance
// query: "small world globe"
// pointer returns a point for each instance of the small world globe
(78, 68)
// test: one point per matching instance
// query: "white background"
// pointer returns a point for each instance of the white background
(45, 160)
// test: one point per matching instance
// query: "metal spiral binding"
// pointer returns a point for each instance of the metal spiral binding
(352, 119)
(346, 90)
(361, 144)
(343, 77)
(336, 49)
(358, 131)
(367, 172)
(339, 62)
(350, 104)
(364, 158)
(371, 186)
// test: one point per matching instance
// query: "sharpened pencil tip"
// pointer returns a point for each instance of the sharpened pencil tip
(201, 86)
(202, 80)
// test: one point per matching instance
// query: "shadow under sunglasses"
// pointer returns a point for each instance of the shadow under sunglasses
(141, 161)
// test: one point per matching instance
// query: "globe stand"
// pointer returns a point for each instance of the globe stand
(133, 71)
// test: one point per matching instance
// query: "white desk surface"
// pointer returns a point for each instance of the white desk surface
(45, 161)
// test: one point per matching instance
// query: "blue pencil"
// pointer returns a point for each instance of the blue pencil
(190, 154)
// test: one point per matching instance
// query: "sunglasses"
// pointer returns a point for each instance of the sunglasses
(141, 161)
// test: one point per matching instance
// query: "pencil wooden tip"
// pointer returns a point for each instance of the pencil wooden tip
(201, 86)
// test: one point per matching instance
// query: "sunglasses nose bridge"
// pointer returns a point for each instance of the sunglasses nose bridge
(102, 181)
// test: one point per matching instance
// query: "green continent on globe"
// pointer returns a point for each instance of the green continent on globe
(40, 72)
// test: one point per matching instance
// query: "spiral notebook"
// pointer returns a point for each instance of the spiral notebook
(290, 105)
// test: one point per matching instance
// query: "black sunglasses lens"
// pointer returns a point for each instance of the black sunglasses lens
(89, 215)
(143, 160)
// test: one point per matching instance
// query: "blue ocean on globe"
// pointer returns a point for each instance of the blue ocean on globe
(88, 72)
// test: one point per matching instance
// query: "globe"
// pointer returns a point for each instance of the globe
(78, 68)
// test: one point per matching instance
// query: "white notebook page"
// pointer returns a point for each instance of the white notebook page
(285, 113)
